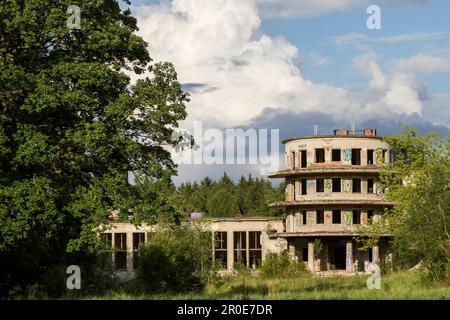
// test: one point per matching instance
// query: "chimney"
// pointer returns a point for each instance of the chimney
(370, 132)
(339, 132)
(316, 129)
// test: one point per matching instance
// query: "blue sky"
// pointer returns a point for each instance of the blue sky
(313, 34)
(295, 63)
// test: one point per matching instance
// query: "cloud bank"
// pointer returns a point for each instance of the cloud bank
(238, 76)
(237, 71)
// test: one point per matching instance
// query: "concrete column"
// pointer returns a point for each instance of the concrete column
(213, 246)
(311, 255)
(130, 262)
(366, 260)
(247, 248)
(364, 216)
(364, 185)
(327, 257)
(364, 156)
(349, 256)
(328, 154)
(297, 221)
(291, 250)
(113, 245)
(230, 255)
(376, 255)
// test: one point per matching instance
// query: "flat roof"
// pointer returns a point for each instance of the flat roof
(333, 136)
(319, 234)
(327, 169)
(318, 202)
(254, 218)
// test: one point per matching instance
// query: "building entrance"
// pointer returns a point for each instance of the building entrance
(337, 257)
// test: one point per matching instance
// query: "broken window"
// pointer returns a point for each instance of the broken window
(220, 249)
(305, 254)
(369, 216)
(255, 249)
(336, 216)
(303, 181)
(304, 217)
(336, 185)
(240, 247)
(356, 157)
(369, 185)
(356, 216)
(304, 159)
(292, 160)
(138, 240)
(293, 184)
(336, 155)
(319, 185)
(391, 156)
(107, 238)
(120, 244)
(319, 217)
(320, 155)
(370, 156)
(356, 185)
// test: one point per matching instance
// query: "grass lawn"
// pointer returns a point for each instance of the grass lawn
(400, 285)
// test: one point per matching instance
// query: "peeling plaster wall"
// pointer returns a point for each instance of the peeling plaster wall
(229, 225)
(345, 143)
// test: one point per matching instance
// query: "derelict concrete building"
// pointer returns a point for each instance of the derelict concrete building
(332, 188)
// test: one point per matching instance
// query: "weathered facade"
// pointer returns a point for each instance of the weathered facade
(332, 187)
(244, 239)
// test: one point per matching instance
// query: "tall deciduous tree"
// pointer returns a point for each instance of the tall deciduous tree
(72, 125)
(418, 183)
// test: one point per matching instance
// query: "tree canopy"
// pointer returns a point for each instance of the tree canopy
(72, 125)
(418, 183)
(248, 197)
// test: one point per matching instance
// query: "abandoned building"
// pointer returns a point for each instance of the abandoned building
(332, 188)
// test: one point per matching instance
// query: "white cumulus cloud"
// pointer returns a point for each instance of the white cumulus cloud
(306, 8)
(422, 63)
(238, 70)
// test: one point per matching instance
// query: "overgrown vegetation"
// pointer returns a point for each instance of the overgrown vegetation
(418, 183)
(399, 285)
(280, 265)
(71, 128)
(176, 258)
(248, 197)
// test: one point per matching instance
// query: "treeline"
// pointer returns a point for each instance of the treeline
(223, 198)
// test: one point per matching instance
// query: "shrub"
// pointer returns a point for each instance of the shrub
(97, 277)
(279, 264)
(176, 258)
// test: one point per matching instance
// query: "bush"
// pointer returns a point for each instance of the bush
(279, 264)
(176, 258)
(97, 277)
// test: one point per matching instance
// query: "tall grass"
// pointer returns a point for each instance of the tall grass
(401, 285)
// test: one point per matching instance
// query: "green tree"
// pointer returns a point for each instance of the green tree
(72, 125)
(175, 258)
(418, 183)
(222, 203)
